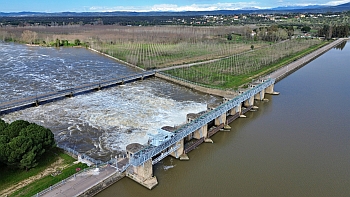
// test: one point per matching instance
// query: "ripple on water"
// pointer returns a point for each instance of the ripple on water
(103, 123)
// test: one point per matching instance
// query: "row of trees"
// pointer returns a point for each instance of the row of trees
(229, 70)
(335, 31)
(23, 143)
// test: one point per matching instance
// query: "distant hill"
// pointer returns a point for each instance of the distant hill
(287, 9)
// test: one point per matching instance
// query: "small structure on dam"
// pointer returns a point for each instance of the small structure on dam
(178, 141)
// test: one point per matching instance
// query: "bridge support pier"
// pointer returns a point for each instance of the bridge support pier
(70, 95)
(220, 120)
(269, 90)
(143, 174)
(202, 132)
(260, 96)
(249, 102)
(179, 153)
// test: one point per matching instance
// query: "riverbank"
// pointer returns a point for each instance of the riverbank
(302, 61)
(52, 168)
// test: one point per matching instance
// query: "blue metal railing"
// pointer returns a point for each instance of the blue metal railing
(147, 153)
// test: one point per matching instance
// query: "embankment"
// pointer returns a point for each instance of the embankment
(102, 185)
(286, 70)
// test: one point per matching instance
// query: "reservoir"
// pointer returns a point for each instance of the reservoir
(297, 144)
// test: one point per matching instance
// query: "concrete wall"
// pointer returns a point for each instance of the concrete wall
(102, 185)
(202, 132)
(179, 151)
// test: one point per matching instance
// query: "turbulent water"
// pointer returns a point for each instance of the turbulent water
(29, 70)
(101, 123)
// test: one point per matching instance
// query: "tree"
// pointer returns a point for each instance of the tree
(23, 143)
(252, 47)
(29, 36)
(229, 37)
(77, 42)
(305, 29)
(57, 44)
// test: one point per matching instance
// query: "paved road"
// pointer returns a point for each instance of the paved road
(82, 182)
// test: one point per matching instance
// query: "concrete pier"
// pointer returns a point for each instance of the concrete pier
(142, 174)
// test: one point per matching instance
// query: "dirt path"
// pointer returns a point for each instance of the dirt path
(57, 165)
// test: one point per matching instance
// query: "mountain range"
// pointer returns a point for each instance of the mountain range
(281, 10)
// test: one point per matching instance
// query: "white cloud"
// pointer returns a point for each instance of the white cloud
(177, 8)
(339, 2)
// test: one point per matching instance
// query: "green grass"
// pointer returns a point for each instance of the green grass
(159, 55)
(218, 74)
(47, 181)
(10, 176)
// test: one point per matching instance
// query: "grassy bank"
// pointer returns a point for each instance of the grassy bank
(47, 181)
(39, 178)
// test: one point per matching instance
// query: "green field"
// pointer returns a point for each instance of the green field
(160, 55)
(233, 72)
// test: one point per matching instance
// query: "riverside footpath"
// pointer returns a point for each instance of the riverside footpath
(87, 183)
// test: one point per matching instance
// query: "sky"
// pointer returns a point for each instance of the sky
(150, 5)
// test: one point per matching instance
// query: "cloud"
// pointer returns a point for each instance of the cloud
(177, 8)
(339, 2)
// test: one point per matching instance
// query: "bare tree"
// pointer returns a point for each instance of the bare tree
(29, 36)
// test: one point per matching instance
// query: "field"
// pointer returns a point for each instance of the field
(236, 59)
(234, 71)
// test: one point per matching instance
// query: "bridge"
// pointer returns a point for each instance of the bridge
(49, 96)
(138, 164)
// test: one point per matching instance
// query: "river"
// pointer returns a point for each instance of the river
(100, 124)
(297, 144)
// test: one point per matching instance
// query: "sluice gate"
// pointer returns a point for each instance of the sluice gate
(195, 131)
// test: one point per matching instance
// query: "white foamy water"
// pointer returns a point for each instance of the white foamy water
(103, 123)
(100, 124)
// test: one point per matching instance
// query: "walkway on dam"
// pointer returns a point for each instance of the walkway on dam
(286, 70)
(79, 184)
(70, 92)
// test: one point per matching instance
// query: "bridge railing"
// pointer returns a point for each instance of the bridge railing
(83, 156)
(77, 89)
(149, 152)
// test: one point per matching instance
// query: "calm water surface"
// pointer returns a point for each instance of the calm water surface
(297, 144)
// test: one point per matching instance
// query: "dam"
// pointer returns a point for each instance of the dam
(136, 168)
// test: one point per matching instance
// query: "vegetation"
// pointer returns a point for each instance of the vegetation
(47, 181)
(23, 143)
(234, 71)
(42, 176)
(244, 49)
